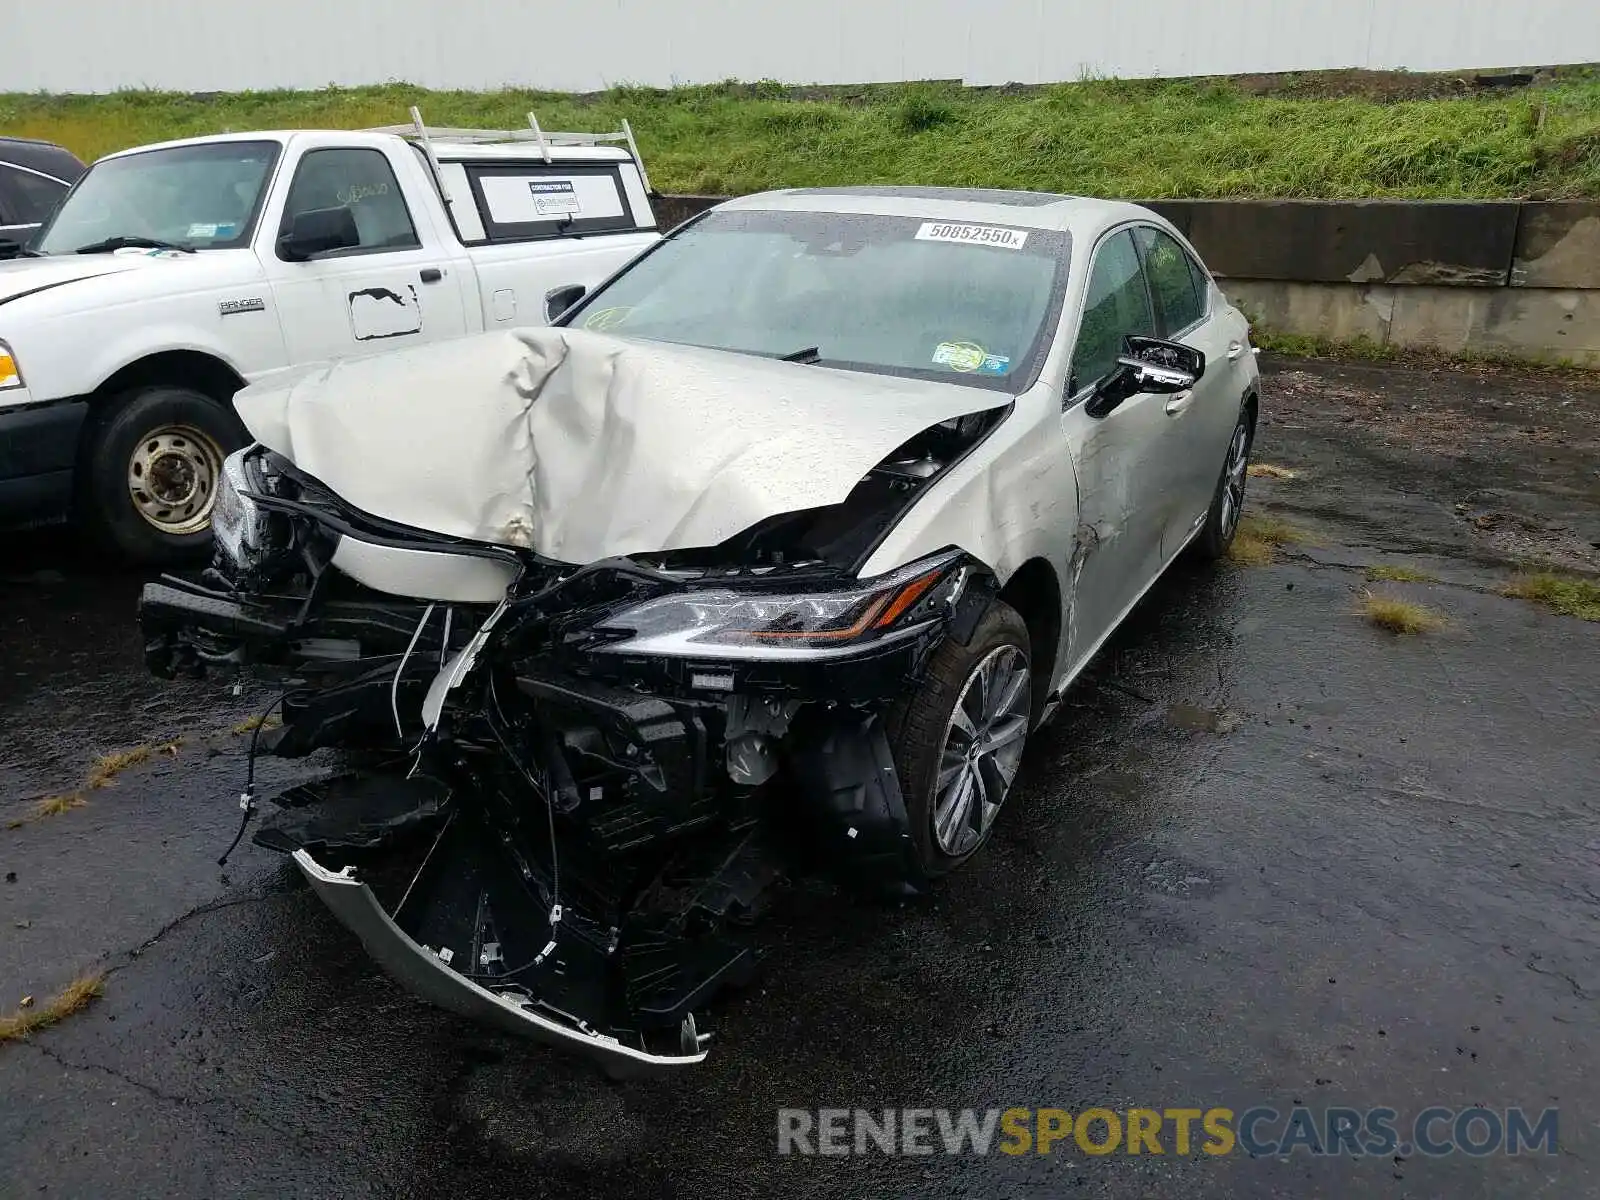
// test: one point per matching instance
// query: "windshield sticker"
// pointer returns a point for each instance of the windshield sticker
(965, 357)
(607, 318)
(555, 198)
(205, 231)
(994, 364)
(972, 235)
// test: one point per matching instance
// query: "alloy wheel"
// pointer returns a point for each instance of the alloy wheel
(1233, 479)
(983, 744)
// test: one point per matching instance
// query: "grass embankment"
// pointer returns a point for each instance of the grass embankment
(1332, 134)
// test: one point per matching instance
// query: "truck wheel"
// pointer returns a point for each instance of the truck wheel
(958, 738)
(151, 470)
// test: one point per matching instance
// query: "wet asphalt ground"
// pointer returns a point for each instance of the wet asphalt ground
(1267, 855)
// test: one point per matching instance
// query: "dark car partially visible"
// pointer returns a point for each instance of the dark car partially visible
(34, 176)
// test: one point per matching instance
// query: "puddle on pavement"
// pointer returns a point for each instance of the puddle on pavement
(1203, 720)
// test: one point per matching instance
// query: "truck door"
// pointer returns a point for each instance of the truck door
(395, 287)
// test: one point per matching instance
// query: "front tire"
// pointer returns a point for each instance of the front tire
(151, 469)
(1227, 502)
(958, 739)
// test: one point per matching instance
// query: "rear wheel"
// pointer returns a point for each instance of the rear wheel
(151, 471)
(958, 739)
(1227, 503)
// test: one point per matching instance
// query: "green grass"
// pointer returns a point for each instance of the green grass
(1400, 573)
(1565, 594)
(1394, 615)
(1362, 349)
(1145, 139)
(1300, 345)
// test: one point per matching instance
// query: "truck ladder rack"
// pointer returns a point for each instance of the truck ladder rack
(426, 135)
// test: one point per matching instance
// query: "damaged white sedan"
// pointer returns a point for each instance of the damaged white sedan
(764, 560)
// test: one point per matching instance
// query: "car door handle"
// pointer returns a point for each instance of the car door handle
(431, 274)
(1235, 349)
(1179, 404)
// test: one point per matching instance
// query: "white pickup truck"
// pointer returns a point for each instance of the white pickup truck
(174, 274)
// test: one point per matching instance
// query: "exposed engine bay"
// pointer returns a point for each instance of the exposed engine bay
(568, 790)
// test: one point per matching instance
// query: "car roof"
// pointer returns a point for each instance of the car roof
(45, 157)
(449, 151)
(1082, 216)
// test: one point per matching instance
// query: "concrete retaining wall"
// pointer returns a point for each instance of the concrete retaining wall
(1503, 277)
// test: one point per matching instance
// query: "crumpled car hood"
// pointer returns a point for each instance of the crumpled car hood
(583, 446)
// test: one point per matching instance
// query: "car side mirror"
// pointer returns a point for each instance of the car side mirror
(1147, 365)
(317, 231)
(558, 300)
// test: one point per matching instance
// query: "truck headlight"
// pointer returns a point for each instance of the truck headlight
(748, 623)
(237, 522)
(10, 373)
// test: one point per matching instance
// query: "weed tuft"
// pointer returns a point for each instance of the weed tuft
(74, 998)
(107, 767)
(1565, 594)
(1268, 471)
(1400, 573)
(1394, 615)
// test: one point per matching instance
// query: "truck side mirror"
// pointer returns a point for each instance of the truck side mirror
(317, 231)
(558, 300)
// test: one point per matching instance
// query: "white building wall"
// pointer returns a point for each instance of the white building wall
(587, 45)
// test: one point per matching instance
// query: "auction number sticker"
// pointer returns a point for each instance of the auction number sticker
(972, 235)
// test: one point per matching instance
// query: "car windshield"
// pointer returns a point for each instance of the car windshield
(200, 197)
(967, 302)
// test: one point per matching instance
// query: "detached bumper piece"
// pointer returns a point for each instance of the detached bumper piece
(458, 906)
(424, 972)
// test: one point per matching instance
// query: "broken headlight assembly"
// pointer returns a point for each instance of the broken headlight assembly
(248, 530)
(753, 623)
(237, 522)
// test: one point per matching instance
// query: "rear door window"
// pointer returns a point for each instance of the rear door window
(519, 201)
(1172, 282)
(27, 198)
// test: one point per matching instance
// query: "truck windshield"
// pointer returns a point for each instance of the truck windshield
(970, 302)
(198, 197)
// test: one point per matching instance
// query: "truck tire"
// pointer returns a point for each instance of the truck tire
(150, 472)
(986, 685)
